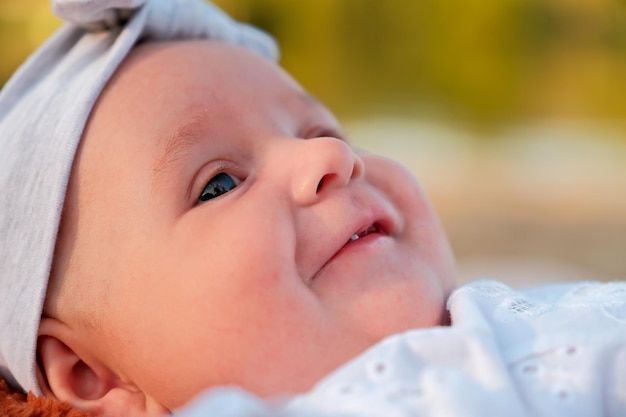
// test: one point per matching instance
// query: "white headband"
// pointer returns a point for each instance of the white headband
(43, 111)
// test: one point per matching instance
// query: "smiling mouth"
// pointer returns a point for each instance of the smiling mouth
(374, 228)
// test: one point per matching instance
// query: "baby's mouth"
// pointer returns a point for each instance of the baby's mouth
(380, 228)
(373, 228)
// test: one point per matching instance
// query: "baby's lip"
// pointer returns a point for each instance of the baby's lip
(375, 220)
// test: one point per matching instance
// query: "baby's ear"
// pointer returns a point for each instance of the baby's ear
(69, 373)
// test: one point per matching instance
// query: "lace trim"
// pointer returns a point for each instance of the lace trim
(609, 298)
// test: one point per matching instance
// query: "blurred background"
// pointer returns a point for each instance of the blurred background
(511, 112)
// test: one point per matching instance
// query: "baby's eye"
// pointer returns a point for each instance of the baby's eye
(328, 133)
(218, 185)
(322, 131)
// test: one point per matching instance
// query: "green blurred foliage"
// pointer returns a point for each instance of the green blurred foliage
(483, 63)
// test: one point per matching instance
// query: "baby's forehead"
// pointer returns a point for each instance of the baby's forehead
(196, 74)
(190, 60)
(149, 66)
(192, 77)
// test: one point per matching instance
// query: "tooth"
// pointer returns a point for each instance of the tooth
(354, 237)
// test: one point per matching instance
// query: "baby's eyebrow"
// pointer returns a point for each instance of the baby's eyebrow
(177, 146)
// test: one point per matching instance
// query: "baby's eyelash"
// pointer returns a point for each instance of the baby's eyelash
(332, 134)
(325, 133)
(217, 180)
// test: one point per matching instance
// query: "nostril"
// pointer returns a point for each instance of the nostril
(325, 180)
(358, 169)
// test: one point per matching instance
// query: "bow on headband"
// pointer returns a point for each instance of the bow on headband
(43, 111)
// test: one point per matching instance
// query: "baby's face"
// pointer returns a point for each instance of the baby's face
(228, 234)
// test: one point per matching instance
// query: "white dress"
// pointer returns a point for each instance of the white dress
(557, 350)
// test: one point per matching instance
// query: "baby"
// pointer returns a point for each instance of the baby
(214, 204)
(217, 230)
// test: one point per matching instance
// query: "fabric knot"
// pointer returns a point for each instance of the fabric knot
(183, 19)
(96, 15)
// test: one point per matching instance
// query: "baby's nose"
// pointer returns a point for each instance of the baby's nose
(323, 164)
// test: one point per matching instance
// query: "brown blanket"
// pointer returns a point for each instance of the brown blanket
(15, 404)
